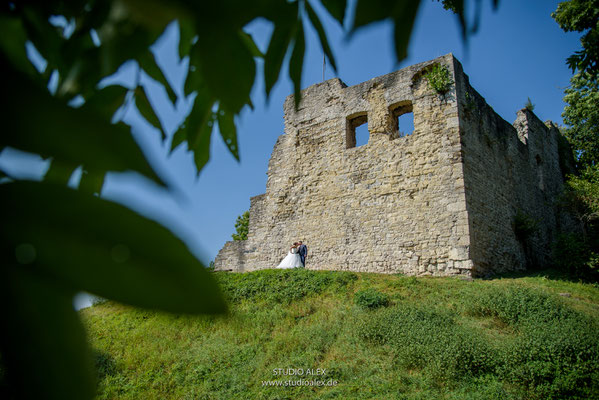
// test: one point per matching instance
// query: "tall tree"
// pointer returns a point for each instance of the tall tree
(581, 16)
(581, 115)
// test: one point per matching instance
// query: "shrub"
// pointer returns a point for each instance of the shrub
(555, 351)
(439, 79)
(529, 105)
(524, 225)
(242, 226)
(371, 299)
(430, 340)
(573, 254)
(280, 285)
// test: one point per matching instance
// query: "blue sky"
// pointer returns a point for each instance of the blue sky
(518, 52)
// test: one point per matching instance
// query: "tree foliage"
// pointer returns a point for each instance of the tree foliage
(57, 240)
(581, 115)
(581, 16)
(577, 253)
(242, 226)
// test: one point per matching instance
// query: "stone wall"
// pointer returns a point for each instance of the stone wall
(439, 201)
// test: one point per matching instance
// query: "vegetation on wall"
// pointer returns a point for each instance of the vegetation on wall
(439, 79)
(529, 105)
(242, 226)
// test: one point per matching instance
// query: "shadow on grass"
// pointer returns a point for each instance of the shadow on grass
(549, 273)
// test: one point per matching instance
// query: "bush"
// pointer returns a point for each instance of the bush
(371, 299)
(555, 351)
(573, 254)
(439, 79)
(577, 253)
(284, 286)
(524, 225)
(429, 340)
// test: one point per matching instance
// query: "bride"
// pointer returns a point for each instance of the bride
(292, 260)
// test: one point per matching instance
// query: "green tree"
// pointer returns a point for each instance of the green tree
(242, 226)
(575, 253)
(581, 115)
(581, 16)
(56, 241)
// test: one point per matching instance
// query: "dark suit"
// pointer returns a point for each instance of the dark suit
(303, 251)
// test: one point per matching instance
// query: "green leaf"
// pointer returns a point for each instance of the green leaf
(74, 136)
(123, 42)
(296, 64)
(226, 126)
(179, 137)
(12, 44)
(92, 181)
(321, 35)
(146, 109)
(186, 35)
(194, 80)
(197, 128)
(404, 22)
(402, 12)
(46, 38)
(230, 80)
(147, 61)
(277, 48)
(103, 248)
(59, 172)
(106, 101)
(336, 8)
(368, 11)
(251, 45)
(42, 341)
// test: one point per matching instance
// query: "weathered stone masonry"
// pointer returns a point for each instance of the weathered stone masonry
(439, 201)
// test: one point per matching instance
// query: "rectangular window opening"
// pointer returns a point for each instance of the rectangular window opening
(403, 119)
(357, 131)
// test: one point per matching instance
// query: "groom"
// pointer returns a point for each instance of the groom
(303, 252)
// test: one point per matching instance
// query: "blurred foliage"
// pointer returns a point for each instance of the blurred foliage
(242, 226)
(581, 16)
(57, 240)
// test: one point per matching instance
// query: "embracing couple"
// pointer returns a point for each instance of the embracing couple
(296, 257)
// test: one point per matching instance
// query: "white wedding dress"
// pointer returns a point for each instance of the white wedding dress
(291, 260)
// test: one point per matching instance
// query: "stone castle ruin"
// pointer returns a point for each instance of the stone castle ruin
(446, 199)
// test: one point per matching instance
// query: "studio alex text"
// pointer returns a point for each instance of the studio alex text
(299, 371)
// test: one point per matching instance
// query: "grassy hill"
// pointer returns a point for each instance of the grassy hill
(360, 336)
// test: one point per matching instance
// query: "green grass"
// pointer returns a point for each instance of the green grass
(378, 336)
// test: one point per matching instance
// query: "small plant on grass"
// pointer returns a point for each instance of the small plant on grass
(371, 298)
(439, 79)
